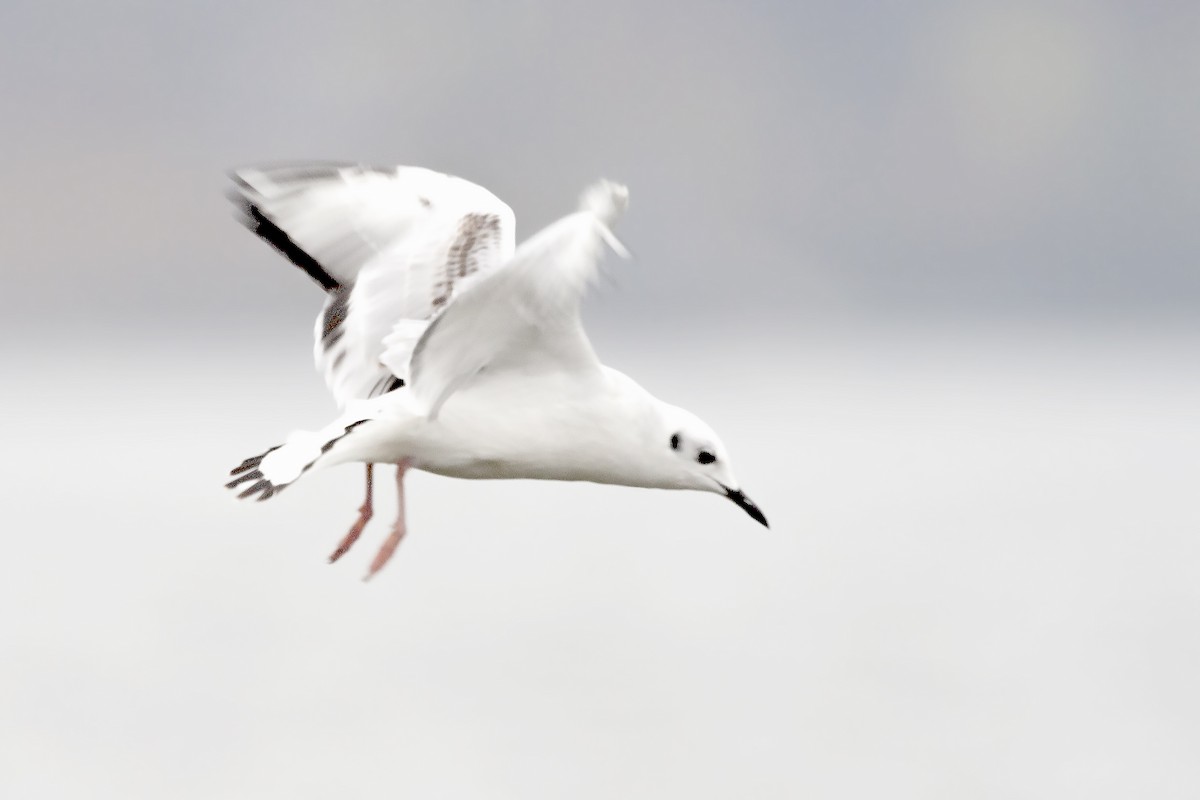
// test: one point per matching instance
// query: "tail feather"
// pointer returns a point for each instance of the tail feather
(277, 468)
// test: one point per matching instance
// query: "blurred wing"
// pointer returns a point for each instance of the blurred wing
(390, 246)
(523, 317)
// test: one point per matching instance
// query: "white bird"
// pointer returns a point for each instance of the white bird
(451, 351)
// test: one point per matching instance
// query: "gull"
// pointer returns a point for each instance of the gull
(450, 350)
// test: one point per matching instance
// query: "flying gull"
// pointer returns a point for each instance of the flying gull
(450, 350)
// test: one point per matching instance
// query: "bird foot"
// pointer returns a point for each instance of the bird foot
(364, 516)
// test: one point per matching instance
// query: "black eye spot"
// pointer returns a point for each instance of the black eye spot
(706, 457)
(675, 441)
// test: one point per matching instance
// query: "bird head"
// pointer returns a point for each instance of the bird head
(695, 458)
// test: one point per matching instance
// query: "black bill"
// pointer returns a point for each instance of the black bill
(747, 505)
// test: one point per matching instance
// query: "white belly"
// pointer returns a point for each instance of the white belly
(518, 429)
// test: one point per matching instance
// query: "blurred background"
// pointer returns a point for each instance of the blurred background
(931, 269)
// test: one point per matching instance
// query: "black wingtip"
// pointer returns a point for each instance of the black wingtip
(248, 471)
(251, 216)
(272, 234)
(253, 461)
(249, 476)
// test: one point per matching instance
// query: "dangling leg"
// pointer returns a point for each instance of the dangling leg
(398, 530)
(365, 512)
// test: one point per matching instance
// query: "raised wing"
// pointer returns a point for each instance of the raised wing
(390, 246)
(525, 316)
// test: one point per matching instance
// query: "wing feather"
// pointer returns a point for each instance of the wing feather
(391, 246)
(524, 316)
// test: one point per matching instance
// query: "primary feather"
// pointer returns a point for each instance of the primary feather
(392, 247)
(526, 311)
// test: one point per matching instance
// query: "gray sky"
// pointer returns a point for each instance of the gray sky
(981, 577)
(998, 159)
(980, 582)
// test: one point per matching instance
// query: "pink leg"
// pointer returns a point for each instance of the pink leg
(398, 530)
(365, 512)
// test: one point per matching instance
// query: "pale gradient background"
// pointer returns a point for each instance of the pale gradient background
(931, 269)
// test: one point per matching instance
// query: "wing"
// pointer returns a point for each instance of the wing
(523, 317)
(392, 247)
